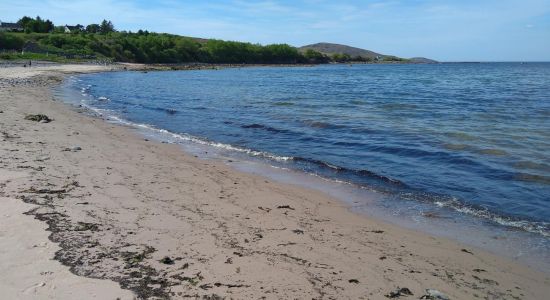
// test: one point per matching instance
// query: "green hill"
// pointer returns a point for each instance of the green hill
(40, 39)
(331, 49)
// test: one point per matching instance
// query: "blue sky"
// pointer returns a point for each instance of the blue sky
(447, 30)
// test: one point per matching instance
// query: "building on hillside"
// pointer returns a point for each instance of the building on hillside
(76, 28)
(10, 27)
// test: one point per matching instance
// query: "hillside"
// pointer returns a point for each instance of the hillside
(40, 39)
(331, 49)
(339, 52)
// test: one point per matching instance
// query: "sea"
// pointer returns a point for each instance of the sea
(460, 150)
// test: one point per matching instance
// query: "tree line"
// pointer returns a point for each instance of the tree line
(102, 41)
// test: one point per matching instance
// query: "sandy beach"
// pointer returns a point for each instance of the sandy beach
(131, 218)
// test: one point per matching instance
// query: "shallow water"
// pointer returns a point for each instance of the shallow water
(459, 139)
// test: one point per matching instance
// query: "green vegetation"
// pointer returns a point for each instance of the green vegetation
(41, 40)
(147, 48)
(35, 25)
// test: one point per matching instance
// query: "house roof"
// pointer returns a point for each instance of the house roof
(71, 27)
(10, 25)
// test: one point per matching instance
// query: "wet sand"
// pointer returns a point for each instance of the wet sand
(165, 224)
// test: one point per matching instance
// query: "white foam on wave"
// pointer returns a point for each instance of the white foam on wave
(529, 226)
(185, 137)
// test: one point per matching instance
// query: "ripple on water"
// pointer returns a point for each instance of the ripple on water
(463, 136)
(527, 164)
(533, 178)
(456, 147)
(283, 103)
(494, 152)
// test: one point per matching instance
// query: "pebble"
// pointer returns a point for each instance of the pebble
(435, 295)
(74, 149)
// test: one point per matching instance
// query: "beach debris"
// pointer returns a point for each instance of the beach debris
(83, 226)
(298, 231)
(353, 281)
(38, 118)
(230, 285)
(479, 270)
(287, 244)
(377, 231)
(73, 149)
(485, 280)
(285, 207)
(44, 191)
(432, 294)
(213, 296)
(467, 251)
(42, 158)
(133, 258)
(264, 209)
(167, 260)
(398, 292)
(6, 135)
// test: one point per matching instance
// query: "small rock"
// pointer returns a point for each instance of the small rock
(398, 292)
(432, 294)
(73, 149)
(353, 281)
(285, 207)
(466, 251)
(167, 261)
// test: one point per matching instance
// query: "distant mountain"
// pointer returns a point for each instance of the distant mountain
(330, 49)
(423, 60)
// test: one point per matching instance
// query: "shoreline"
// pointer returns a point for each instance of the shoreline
(500, 239)
(285, 241)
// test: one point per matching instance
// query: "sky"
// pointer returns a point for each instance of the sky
(445, 30)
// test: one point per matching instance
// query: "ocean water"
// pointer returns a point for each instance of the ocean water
(465, 139)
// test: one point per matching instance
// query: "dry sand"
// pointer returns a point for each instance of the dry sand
(165, 224)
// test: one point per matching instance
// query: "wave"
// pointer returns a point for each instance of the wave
(190, 138)
(542, 228)
(264, 127)
(283, 103)
(402, 190)
(341, 170)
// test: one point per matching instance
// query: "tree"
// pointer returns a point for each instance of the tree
(315, 57)
(35, 25)
(24, 21)
(106, 27)
(92, 28)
